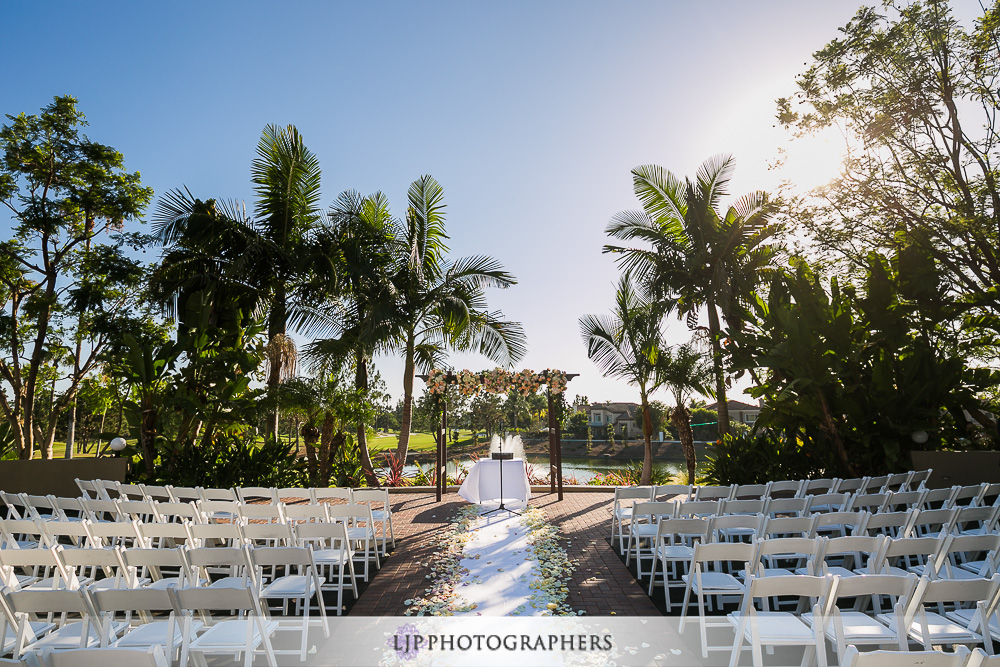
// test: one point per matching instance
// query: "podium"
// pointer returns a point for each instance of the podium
(483, 483)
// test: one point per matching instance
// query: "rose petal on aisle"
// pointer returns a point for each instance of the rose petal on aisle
(500, 565)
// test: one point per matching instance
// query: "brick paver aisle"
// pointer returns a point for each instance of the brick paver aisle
(601, 584)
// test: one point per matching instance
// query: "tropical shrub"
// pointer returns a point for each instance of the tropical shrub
(743, 457)
(630, 475)
(233, 460)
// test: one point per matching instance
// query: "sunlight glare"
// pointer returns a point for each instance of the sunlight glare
(814, 160)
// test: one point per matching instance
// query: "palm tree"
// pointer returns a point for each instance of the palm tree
(683, 370)
(365, 320)
(442, 304)
(699, 258)
(270, 259)
(627, 345)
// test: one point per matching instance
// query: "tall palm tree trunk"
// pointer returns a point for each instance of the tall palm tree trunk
(361, 381)
(405, 422)
(277, 325)
(647, 436)
(680, 417)
(720, 377)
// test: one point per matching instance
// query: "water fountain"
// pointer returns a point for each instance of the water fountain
(511, 443)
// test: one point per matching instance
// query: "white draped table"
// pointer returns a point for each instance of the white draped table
(483, 482)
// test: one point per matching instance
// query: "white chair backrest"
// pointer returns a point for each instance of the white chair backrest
(185, 494)
(255, 494)
(669, 491)
(293, 495)
(306, 513)
(787, 506)
(751, 491)
(219, 494)
(697, 508)
(789, 526)
(714, 492)
(333, 492)
(150, 656)
(854, 658)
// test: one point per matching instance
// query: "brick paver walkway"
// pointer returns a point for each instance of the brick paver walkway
(601, 584)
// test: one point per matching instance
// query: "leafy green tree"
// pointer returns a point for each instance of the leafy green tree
(685, 370)
(65, 279)
(442, 304)
(696, 257)
(280, 258)
(366, 321)
(626, 345)
(914, 94)
(853, 374)
(486, 414)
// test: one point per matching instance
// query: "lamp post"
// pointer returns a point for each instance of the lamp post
(117, 445)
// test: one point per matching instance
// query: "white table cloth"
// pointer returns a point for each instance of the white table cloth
(483, 482)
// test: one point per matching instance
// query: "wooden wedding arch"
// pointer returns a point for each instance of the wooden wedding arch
(498, 381)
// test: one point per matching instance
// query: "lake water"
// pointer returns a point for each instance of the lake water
(584, 469)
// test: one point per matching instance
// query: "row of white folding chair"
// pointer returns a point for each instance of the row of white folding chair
(357, 519)
(930, 613)
(100, 623)
(118, 567)
(207, 500)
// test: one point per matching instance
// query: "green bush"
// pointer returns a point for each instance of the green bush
(234, 460)
(744, 457)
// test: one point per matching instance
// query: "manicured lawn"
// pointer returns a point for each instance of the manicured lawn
(419, 442)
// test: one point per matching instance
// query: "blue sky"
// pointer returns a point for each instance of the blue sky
(529, 114)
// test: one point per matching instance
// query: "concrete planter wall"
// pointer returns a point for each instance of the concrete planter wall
(56, 476)
(961, 468)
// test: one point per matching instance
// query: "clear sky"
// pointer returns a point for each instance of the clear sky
(530, 114)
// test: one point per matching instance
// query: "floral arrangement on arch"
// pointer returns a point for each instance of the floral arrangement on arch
(527, 382)
(437, 381)
(496, 381)
(556, 381)
(468, 382)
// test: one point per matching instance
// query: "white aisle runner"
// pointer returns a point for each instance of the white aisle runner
(501, 568)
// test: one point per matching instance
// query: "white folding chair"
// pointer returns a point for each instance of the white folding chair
(296, 495)
(714, 492)
(967, 557)
(131, 618)
(41, 508)
(751, 492)
(839, 524)
(318, 495)
(268, 534)
(976, 520)
(816, 487)
(850, 555)
(969, 496)
(89, 489)
(143, 656)
(331, 550)
(130, 492)
(249, 634)
(22, 534)
(218, 511)
(787, 507)
(162, 567)
(360, 530)
(789, 526)
(621, 510)
(68, 620)
(378, 501)
(667, 492)
(868, 502)
(891, 524)
(697, 508)
(674, 545)
(154, 493)
(707, 579)
(642, 530)
(262, 513)
(102, 510)
(900, 501)
(828, 502)
(170, 512)
(898, 481)
(851, 484)
(960, 623)
(737, 527)
(138, 510)
(185, 494)
(874, 595)
(786, 489)
(14, 505)
(855, 658)
(99, 569)
(231, 565)
(255, 494)
(764, 627)
(931, 523)
(42, 568)
(307, 513)
(108, 534)
(217, 534)
(918, 480)
(936, 499)
(787, 556)
(69, 509)
(303, 586)
(751, 507)
(911, 554)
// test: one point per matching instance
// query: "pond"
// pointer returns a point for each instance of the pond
(584, 469)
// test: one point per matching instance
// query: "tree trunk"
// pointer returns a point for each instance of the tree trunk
(361, 382)
(647, 435)
(310, 436)
(325, 441)
(720, 376)
(71, 431)
(404, 424)
(680, 417)
(277, 324)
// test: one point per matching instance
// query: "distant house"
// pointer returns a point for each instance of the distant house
(620, 416)
(739, 412)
